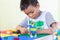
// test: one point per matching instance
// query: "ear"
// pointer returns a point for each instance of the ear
(38, 5)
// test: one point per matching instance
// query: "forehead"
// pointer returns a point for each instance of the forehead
(30, 8)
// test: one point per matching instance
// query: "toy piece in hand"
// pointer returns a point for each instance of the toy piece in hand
(17, 32)
(32, 29)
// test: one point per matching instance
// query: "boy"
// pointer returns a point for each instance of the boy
(31, 9)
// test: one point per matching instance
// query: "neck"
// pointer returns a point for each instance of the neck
(39, 13)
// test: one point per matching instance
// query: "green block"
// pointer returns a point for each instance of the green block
(58, 32)
(24, 35)
(5, 38)
(41, 35)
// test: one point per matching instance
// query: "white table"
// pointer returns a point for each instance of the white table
(49, 37)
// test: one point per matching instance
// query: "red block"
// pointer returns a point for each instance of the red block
(16, 38)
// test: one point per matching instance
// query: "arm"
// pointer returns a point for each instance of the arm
(51, 23)
(47, 31)
(22, 26)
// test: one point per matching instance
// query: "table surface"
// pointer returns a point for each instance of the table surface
(49, 37)
(25, 37)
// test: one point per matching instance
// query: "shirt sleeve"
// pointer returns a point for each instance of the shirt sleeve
(49, 19)
(24, 23)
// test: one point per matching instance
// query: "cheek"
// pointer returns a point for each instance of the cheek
(36, 10)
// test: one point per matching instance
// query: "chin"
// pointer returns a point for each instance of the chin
(33, 17)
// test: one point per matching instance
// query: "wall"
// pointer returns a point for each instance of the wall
(10, 14)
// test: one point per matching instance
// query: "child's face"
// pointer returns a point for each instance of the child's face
(32, 12)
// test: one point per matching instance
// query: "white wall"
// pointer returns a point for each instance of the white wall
(59, 9)
(10, 14)
(51, 6)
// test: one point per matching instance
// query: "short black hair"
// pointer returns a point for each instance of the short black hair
(25, 3)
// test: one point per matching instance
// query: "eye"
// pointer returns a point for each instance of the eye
(26, 13)
(32, 12)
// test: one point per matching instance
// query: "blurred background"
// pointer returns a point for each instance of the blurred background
(11, 15)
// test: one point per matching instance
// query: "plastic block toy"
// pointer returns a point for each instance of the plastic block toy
(58, 37)
(35, 25)
(4, 35)
(25, 38)
(0, 38)
(11, 37)
(15, 35)
(58, 32)
(23, 35)
(16, 38)
(6, 32)
(33, 30)
(5, 38)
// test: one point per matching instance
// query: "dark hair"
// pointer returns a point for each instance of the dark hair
(25, 3)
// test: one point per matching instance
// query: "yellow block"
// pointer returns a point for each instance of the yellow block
(15, 34)
(4, 35)
(58, 37)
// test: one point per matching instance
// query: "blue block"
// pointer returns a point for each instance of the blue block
(5, 38)
(11, 38)
(31, 26)
(56, 38)
(8, 38)
(0, 38)
(25, 38)
(33, 32)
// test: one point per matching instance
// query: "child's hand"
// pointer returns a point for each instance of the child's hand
(26, 31)
(38, 31)
(22, 30)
